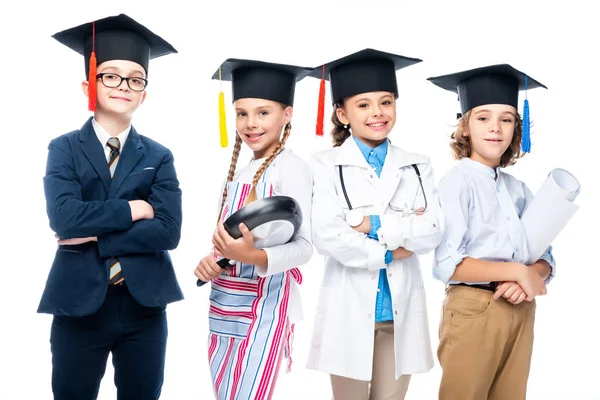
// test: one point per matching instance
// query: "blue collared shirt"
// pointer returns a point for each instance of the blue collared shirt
(383, 306)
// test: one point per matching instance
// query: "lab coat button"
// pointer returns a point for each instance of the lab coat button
(369, 315)
(389, 275)
(396, 312)
(448, 244)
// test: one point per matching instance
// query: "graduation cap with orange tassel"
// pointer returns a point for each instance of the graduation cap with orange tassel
(113, 38)
(257, 79)
(365, 71)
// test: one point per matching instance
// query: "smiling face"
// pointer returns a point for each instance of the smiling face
(371, 116)
(119, 101)
(259, 123)
(491, 129)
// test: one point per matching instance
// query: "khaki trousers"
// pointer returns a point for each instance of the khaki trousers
(485, 346)
(383, 385)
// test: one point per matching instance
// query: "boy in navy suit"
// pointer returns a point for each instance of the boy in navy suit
(114, 201)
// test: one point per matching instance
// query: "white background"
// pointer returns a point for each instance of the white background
(41, 98)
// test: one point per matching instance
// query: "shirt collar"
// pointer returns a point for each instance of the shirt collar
(380, 152)
(484, 169)
(103, 135)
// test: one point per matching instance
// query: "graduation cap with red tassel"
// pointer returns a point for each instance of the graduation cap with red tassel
(113, 38)
(365, 71)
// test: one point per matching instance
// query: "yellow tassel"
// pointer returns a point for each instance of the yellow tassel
(222, 120)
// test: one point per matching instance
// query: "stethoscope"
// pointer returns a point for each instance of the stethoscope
(355, 217)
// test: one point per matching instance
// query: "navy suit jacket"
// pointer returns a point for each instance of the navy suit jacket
(82, 200)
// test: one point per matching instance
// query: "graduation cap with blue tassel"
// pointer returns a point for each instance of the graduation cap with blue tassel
(494, 84)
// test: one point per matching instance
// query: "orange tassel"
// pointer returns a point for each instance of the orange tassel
(321, 106)
(92, 81)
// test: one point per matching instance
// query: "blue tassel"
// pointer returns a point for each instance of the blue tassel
(526, 138)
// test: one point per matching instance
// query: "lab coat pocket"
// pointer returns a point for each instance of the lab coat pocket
(415, 339)
(407, 199)
(323, 318)
(358, 193)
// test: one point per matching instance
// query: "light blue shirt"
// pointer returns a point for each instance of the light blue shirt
(482, 218)
(383, 306)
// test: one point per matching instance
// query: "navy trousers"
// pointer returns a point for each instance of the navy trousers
(135, 335)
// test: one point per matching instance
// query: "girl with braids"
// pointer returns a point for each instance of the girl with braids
(255, 303)
(374, 209)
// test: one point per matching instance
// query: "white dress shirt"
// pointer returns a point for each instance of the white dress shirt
(103, 137)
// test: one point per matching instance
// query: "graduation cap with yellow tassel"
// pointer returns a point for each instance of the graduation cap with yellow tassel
(222, 116)
(257, 79)
(113, 38)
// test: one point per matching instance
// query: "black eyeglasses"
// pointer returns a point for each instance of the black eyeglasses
(113, 80)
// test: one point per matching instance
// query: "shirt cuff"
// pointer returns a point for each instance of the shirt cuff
(547, 256)
(375, 225)
(388, 257)
(445, 263)
(377, 258)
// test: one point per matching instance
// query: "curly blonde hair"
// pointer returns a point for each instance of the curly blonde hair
(460, 142)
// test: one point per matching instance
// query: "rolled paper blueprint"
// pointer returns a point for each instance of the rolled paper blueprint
(549, 211)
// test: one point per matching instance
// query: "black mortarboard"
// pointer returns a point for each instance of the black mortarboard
(113, 38)
(116, 38)
(365, 71)
(494, 84)
(263, 80)
(257, 79)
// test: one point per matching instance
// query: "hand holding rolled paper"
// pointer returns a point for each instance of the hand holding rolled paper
(271, 221)
(549, 211)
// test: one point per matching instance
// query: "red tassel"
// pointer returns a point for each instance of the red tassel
(92, 81)
(321, 106)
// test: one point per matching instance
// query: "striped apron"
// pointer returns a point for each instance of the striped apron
(248, 321)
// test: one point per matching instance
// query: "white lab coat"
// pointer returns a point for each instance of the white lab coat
(343, 336)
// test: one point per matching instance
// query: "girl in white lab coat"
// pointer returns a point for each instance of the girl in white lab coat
(486, 331)
(255, 303)
(375, 209)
